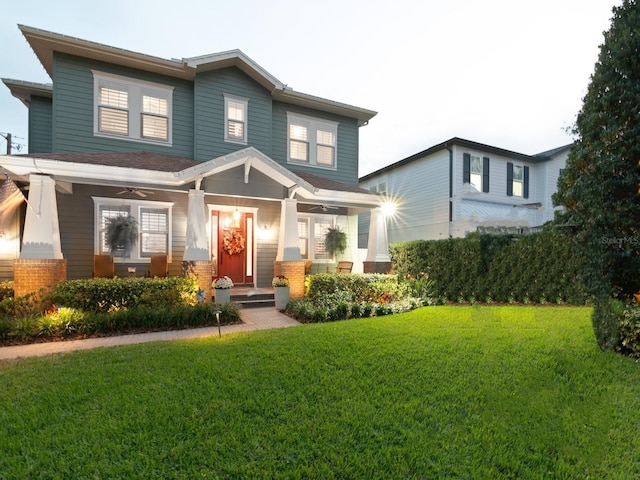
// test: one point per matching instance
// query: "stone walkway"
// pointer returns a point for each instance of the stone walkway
(253, 318)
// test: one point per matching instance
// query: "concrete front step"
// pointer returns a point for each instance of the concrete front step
(256, 300)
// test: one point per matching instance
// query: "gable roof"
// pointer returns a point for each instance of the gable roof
(539, 158)
(24, 90)
(45, 43)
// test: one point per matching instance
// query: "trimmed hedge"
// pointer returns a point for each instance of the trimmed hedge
(537, 268)
(103, 306)
(110, 294)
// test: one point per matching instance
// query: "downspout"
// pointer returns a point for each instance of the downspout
(450, 187)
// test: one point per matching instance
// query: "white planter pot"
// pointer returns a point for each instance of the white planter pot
(222, 295)
(282, 297)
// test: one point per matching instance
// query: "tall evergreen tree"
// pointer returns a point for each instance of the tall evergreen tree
(599, 186)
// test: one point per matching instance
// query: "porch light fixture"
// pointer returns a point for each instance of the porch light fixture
(388, 209)
(264, 232)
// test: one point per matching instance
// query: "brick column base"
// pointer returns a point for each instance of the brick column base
(294, 271)
(377, 267)
(30, 275)
(203, 271)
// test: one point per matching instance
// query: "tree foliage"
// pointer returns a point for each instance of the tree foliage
(599, 186)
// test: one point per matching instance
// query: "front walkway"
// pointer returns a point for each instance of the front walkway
(253, 318)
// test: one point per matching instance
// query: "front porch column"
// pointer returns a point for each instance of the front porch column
(378, 259)
(196, 258)
(41, 264)
(288, 260)
(41, 238)
(197, 247)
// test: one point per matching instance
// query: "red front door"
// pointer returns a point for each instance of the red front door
(235, 245)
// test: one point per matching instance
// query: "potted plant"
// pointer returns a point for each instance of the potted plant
(335, 241)
(281, 292)
(121, 234)
(222, 287)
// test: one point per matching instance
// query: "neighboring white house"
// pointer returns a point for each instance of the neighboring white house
(459, 186)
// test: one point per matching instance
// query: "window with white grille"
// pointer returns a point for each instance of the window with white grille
(154, 231)
(235, 111)
(132, 109)
(312, 230)
(154, 226)
(312, 141)
(303, 235)
(107, 212)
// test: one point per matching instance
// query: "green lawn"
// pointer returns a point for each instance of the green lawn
(441, 392)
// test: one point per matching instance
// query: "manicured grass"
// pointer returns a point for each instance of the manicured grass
(440, 392)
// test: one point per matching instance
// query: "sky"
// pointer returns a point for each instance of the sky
(507, 73)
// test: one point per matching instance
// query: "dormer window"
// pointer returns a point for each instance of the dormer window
(312, 141)
(131, 109)
(235, 119)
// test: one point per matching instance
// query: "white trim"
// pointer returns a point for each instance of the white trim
(135, 89)
(101, 174)
(136, 206)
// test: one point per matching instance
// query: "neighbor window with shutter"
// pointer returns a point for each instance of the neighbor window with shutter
(154, 226)
(517, 180)
(311, 141)
(132, 109)
(235, 119)
(475, 172)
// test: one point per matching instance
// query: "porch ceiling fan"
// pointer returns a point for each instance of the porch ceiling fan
(324, 208)
(141, 193)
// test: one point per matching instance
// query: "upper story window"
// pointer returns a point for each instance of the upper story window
(235, 119)
(131, 109)
(476, 172)
(517, 180)
(380, 187)
(154, 226)
(311, 141)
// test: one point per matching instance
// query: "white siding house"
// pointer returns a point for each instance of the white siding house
(459, 186)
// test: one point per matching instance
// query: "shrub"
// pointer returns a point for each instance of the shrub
(629, 326)
(25, 306)
(605, 319)
(110, 294)
(6, 290)
(526, 269)
(331, 297)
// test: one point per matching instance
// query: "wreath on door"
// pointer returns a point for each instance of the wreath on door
(233, 243)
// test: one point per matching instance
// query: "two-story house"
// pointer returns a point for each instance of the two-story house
(460, 186)
(220, 163)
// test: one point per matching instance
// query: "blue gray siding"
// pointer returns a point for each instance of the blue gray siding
(73, 110)
(347, 147)
(40, 125)
(210, 88)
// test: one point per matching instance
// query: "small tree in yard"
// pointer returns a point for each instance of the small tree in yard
(599, 186)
